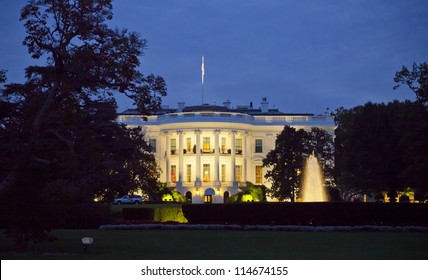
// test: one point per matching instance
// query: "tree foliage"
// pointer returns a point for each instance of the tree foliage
(322, 145)
(287, 160)
(2, 76)
(416, 79)
(59, 140)
(381, 148)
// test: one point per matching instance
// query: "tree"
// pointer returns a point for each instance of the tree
(322, 145)
(286, 162)
(2, 76)
(60, 142)
(416, 79)
(369, 148)
(412, 123)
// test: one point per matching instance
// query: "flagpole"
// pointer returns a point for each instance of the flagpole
(203, 74)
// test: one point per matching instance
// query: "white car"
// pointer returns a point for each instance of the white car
(128, 199)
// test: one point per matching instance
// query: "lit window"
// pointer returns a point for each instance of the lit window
(189, 173)
(238, 146)
(173, 173)
(173, 146)
(188, 144)
(223, 145)
(206, 144)
(223, 172)
(238, 169)
(206, 177)
(208, 198)
(259, 146)
(259, 174)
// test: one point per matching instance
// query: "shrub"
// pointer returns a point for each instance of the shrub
(86, 215)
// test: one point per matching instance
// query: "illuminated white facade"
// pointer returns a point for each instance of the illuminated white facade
(206, 152)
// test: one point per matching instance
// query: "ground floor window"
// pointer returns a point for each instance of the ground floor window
(208, 195)
(189, 197)
(189, 173)
(208, 198)
(226, 196)
(173, 173)
(238, 170)
(259, 174)
(223, 172)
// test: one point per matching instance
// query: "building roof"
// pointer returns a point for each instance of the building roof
(205, 108)
(263, 110)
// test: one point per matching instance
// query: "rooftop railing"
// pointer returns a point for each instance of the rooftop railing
(222, 117)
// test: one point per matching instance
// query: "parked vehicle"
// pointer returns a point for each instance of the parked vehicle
(128, 199)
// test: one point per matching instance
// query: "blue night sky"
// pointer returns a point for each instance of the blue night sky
(303, 56)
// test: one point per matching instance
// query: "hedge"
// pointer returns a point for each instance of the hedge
(315, 214)
(164, 214)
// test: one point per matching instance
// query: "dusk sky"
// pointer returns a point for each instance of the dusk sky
(303, 56)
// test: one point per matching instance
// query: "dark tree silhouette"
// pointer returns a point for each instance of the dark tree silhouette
(416, 79)
(60, 143)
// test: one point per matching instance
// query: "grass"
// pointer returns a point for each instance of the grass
(212, 244)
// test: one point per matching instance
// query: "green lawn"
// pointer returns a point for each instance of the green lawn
(213, 244)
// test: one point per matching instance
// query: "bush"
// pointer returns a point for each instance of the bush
(133, 214)
(87, 215)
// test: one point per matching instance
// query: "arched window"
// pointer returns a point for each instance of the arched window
(226, 196)
(189, 197)
(208, 195)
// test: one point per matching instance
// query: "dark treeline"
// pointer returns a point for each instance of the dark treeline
(383, 148)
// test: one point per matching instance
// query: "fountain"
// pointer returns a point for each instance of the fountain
(313, 182)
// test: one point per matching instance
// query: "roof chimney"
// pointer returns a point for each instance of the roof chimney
(226, 104)
(180, 106)
(264, 105)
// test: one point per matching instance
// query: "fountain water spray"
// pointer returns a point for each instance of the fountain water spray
(313, 189)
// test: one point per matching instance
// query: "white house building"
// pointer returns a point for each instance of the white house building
(206, 152)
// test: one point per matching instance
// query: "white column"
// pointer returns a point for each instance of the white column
(198, 158)
(216, 159)
(167, 154)
(232, 159)
(180, 158)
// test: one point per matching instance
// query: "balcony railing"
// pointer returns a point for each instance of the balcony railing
(204, 152)
(205, 184)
